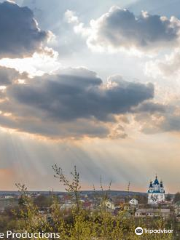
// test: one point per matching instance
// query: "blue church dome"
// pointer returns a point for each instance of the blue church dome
(156, 192)
(156, 182)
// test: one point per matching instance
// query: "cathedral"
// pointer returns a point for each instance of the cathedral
(156, 192)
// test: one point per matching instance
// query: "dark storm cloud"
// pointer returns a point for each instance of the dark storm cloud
(79, 94)
(8, 76)
(19, 33)
(120, 28)
(54, 130)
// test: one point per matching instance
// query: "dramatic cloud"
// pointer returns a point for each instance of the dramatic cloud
(150, 107)
(79, 93)
(171, 120)
(159, 118)
(72, 103)
(120, 29)
(20, 35)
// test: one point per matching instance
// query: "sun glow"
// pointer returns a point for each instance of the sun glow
(37, 65)
(2, 88)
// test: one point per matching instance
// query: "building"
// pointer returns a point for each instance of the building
(109, 204)
(151, 212)
(156, 192)
(177, 208)
(7, 203)
(133, 202)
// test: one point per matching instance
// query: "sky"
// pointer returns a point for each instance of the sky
(91, 84)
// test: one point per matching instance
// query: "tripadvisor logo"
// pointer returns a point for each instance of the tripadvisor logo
(138, 231)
